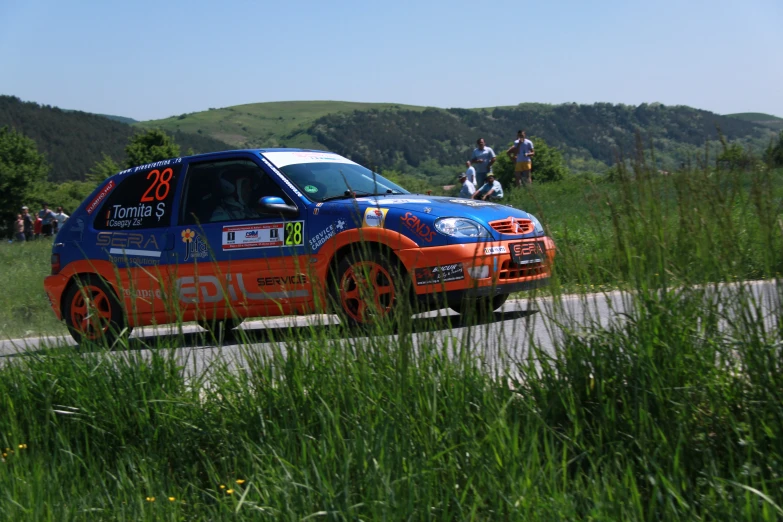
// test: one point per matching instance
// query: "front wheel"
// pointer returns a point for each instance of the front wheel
(92, 311)
(368, 288)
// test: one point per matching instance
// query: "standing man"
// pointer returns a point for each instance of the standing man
(47, 218)
(491, 190)
(60, 218)
(470, 172)
(483, 157)
(523, 151)
(19, 229)
(468, 188)
(28, 223)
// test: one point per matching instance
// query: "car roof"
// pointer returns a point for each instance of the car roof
(213, 156)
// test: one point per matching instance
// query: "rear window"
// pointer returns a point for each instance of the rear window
(142, 199)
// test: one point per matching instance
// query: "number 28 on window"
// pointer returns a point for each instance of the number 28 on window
(159, 188)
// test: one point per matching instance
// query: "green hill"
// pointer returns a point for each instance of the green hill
(389, 135)
(768, 120)
(73, 140)
(272, 124)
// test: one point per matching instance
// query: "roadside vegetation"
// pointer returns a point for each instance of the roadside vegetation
(671, 411)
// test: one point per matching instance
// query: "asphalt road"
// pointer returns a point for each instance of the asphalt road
(508, 334)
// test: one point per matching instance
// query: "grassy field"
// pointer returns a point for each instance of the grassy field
(262, 124)
(671, 412)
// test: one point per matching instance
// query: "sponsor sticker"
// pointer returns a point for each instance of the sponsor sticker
(414, 224)
(526, 253)
(375, 217)
(392, 201)
(263, 235)
(439, 274)
(96, 201)
(311, 189)
(473, 203)
(495, 250)
(282, 159)
(195, 247)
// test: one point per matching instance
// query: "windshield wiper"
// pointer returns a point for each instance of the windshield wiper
(349, 194)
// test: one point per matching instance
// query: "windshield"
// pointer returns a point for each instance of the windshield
(322, 181)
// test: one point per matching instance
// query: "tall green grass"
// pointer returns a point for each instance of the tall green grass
(671, 410)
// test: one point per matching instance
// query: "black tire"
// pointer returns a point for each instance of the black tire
(478, 306)
(92, 311)
(220, 329)
(370, 287)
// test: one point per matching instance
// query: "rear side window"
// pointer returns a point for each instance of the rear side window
(143, 199)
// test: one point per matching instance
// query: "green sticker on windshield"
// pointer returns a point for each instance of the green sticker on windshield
(311, 189)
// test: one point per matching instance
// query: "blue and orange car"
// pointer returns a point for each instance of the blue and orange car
(221, 237)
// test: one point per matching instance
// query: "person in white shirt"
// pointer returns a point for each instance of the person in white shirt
(522, 151)
(491, 190)
(470, 172)
(60, 219)
(468, 188)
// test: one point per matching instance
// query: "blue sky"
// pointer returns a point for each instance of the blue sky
(148, 60)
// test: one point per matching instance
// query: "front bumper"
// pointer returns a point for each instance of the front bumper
(479, 269)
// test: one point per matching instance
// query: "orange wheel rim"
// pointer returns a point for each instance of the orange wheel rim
(366, 291)
(91, 312)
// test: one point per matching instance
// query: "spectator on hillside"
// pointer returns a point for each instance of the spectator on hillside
(29, 226)
(60, 218)
(491, 190)
(47, 220)
(19, 229)
(482, 159)
(470, 172)
(37, 227)
(468, 188)
(522, 151)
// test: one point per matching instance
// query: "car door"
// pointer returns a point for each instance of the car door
(231, 258)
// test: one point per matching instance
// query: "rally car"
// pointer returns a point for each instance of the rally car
(221, 237)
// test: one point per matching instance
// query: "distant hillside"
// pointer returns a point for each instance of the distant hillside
(760, 118)
(272, 124)
(73, 140)
(389, 135)
(121, 119)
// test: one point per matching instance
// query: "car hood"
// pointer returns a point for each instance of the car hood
(439, 206)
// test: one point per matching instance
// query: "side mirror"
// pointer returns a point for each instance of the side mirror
(275, 205)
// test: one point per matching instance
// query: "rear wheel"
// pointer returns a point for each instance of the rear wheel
(92, 311)
(368, 288)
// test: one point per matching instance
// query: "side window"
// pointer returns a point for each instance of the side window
(226, 191)
(143, 199)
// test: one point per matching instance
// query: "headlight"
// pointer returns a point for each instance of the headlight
(539, 229)
(461, 227)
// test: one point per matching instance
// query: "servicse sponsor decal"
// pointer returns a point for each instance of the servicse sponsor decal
(209, 289)
(414, 224)
(439, 274)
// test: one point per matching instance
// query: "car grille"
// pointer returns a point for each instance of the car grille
(508, 270)
(513, 226)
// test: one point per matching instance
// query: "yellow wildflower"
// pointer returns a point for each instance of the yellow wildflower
(229, 492)
(150, 499)
(5, 455)
(172, 499)
(222, 486)
(23, 446)
(240, 481)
